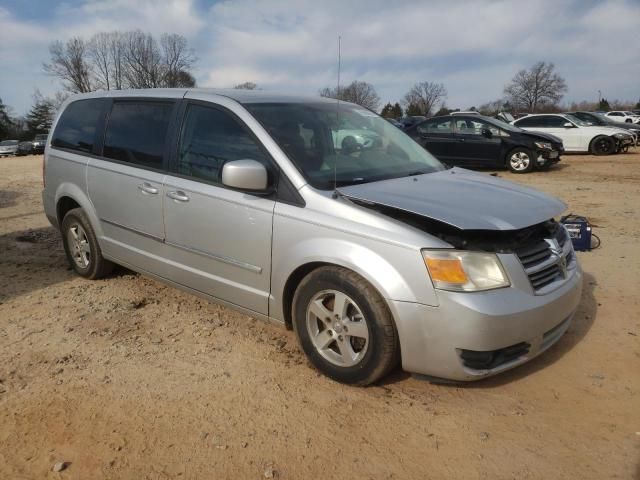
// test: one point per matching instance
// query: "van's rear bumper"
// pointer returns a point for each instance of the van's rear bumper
(499, 329)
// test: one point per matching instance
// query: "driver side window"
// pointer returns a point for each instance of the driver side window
(210, 137)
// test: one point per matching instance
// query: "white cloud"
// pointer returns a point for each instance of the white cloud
(474, 47)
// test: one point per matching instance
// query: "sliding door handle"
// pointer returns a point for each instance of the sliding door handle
(178, 196)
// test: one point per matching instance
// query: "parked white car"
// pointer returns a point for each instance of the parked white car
(578, 135)
(623, 117)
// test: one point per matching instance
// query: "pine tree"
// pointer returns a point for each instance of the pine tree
(604, 105)
(40, 116)
(387, 111)
(397, 110)
(413, 110)
(6, 124)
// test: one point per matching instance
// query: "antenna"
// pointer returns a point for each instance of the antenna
(335, 157)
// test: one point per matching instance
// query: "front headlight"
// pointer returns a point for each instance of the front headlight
(463, 271)
(544, 145)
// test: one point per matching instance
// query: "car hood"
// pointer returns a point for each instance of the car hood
(541, 135)
(461, 198)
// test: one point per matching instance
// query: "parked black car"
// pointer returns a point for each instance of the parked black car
(601, 120)
(33, 147)
(479, 141)
(25, 148)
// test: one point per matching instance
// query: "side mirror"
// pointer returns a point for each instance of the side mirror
(568, 125)
(487, 133)
(245, 175)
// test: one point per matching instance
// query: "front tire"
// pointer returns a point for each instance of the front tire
(520, 160)
(81, 246)
(344, 326)
(602, 145)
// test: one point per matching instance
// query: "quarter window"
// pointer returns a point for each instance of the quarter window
(210, 137)
(76, 129)
(137, 131)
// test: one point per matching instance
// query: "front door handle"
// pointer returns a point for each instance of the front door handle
(146, 187)
(178, 196)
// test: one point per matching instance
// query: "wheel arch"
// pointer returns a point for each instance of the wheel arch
(412, 286)
(598, 137)
(69, 196)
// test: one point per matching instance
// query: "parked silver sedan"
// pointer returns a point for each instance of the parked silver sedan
(375, 256)
(8, 148)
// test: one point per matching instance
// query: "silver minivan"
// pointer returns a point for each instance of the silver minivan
(369, 248)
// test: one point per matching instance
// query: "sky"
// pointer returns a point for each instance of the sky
(473, 47)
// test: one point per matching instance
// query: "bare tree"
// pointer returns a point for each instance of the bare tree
(536, 87)
(100, 54)
(246, 86)
(143, 61)
(424, 96)
(361, 93)
(70, 63)
(178, 59)
(116, 60)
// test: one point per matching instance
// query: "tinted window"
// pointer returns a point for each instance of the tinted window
(530, 122)
(555, 122)
(435, 126)
(211, 137)
(136, 132)
(77, 125)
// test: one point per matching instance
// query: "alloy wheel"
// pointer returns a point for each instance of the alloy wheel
(337, 328)
(519, 161)
(79, 246)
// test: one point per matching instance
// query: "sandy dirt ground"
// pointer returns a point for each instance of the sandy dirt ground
(128, 378)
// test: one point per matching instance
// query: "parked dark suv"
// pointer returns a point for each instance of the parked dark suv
(479, 141)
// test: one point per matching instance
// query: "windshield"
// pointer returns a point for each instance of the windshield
(8, 142)
(362, 146)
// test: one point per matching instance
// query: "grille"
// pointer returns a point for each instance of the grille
(543, 265)
(494, 358)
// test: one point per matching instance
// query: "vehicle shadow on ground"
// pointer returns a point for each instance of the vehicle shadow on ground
(9, 198)
(34, 259)
(580, 325)
(31, 259)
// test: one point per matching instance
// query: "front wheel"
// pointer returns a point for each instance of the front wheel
(602, 145)
(344, 326)
(520, 160)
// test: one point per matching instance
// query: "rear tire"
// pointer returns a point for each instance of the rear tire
(602, 145)
(81, 246)
(520, 160)
(344, 326)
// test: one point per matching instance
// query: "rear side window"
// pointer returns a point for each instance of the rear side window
(530, 122)
(210, 137)
(435, 126)
(136, 133)
(76, 128)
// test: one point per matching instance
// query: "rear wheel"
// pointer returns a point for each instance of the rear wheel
(344, 326)
(520, 160)
(81, 246)
(602, 145)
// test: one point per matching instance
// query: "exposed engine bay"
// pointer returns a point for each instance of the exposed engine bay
(495, 241)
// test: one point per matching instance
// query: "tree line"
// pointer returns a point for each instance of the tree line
(134, 59)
